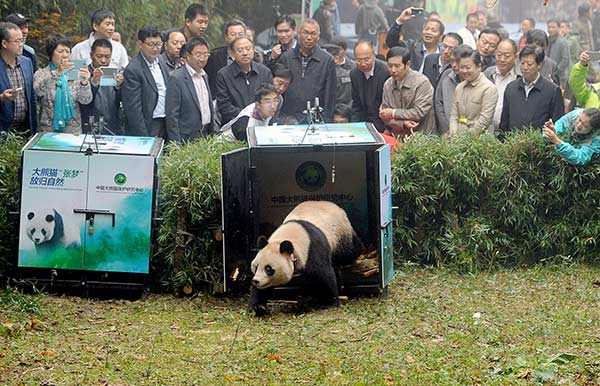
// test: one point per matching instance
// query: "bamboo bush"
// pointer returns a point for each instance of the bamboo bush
(470, 202)
(10, 161)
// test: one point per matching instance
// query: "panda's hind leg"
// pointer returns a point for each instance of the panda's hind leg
(323, 286)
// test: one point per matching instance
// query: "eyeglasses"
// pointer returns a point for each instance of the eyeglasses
(270, 102)
(154, 45)
(310, 34)
(363, 60)
(18, 41)
(201, 55)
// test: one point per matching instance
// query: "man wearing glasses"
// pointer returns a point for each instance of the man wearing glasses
(313, 72)
(189, 108)
(145, 87)
(436, 64)
(17, 99)
(367, 84)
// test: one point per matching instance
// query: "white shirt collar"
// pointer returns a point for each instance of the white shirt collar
(369, 74)
(193, 72)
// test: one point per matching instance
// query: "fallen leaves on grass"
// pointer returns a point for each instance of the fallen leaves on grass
(49, 353)
(596, 284)
(389, 381)
(524, 374)
(274, 358)
(409, 359)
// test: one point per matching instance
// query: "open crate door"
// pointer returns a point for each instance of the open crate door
(236, 206)
(384, 182)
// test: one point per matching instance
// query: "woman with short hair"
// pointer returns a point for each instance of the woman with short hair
(58, 96)
(474, 98)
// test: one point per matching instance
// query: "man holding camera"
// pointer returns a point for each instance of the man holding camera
(285, 29)
(432, 31)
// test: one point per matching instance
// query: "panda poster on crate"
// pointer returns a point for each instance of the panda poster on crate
(51, 233)
(59, 188)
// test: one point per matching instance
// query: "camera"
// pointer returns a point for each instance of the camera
(417, 11)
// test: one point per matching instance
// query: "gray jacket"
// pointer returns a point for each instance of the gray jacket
(140, 95)
(443, 98)
(558, 50)
(184, 120)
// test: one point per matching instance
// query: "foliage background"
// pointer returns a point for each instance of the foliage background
(472, 203)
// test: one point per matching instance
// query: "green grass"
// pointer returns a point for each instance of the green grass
(537, 326)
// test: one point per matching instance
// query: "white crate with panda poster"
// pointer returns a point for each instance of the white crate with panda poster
(87, 205)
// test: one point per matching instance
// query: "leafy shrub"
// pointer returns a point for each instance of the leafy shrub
(477, 203)
(471, 202)
(10, 161)
(189, 256)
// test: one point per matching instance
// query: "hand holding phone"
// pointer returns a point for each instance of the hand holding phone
(594, 56)
(417, 11)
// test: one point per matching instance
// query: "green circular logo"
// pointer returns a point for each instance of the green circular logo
(311, 176)
(120, 179)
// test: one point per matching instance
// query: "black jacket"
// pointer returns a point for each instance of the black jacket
(416, 47)
(365, 105)
(235, 90)
(431, 69)
(544, 102)
(216, 61)
(107, 103)
(318, 81)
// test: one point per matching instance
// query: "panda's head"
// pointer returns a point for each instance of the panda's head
(274, 264)
(40, 226)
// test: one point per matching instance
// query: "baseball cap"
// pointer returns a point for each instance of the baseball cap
(17, 19)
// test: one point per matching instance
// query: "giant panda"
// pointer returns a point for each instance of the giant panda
(315, 237)
(48, 231)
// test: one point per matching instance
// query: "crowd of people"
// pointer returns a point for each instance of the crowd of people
(426, 80)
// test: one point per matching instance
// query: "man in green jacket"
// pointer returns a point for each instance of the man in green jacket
(588, 95)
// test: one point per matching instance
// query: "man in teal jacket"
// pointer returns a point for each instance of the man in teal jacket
(581, 132)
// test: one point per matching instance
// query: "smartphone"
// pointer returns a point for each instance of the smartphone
(594, 56)
(417, 11)
(18, 89)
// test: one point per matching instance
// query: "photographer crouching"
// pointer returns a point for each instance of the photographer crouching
(580, 130)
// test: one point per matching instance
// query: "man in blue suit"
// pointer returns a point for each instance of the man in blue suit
(189, 105)
(17, 98)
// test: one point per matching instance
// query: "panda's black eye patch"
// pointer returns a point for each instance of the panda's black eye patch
(49, 218)
(269, 271)
(44, 232)
(32, 231)
(30, 215)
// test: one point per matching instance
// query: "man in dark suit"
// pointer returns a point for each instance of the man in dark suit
(237, 82)
(367, 84)
(17, 98)
(107, 97)
(189, 102)
(436, 64)
(222, 56)
(145, 87)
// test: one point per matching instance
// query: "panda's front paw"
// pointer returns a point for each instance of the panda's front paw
(260, 310)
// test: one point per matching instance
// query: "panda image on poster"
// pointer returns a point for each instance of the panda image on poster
(315, 237)
(48, 231)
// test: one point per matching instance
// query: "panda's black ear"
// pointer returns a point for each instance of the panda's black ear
(30, 215)
(49, 218)
(261, 242)
(286, 247)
